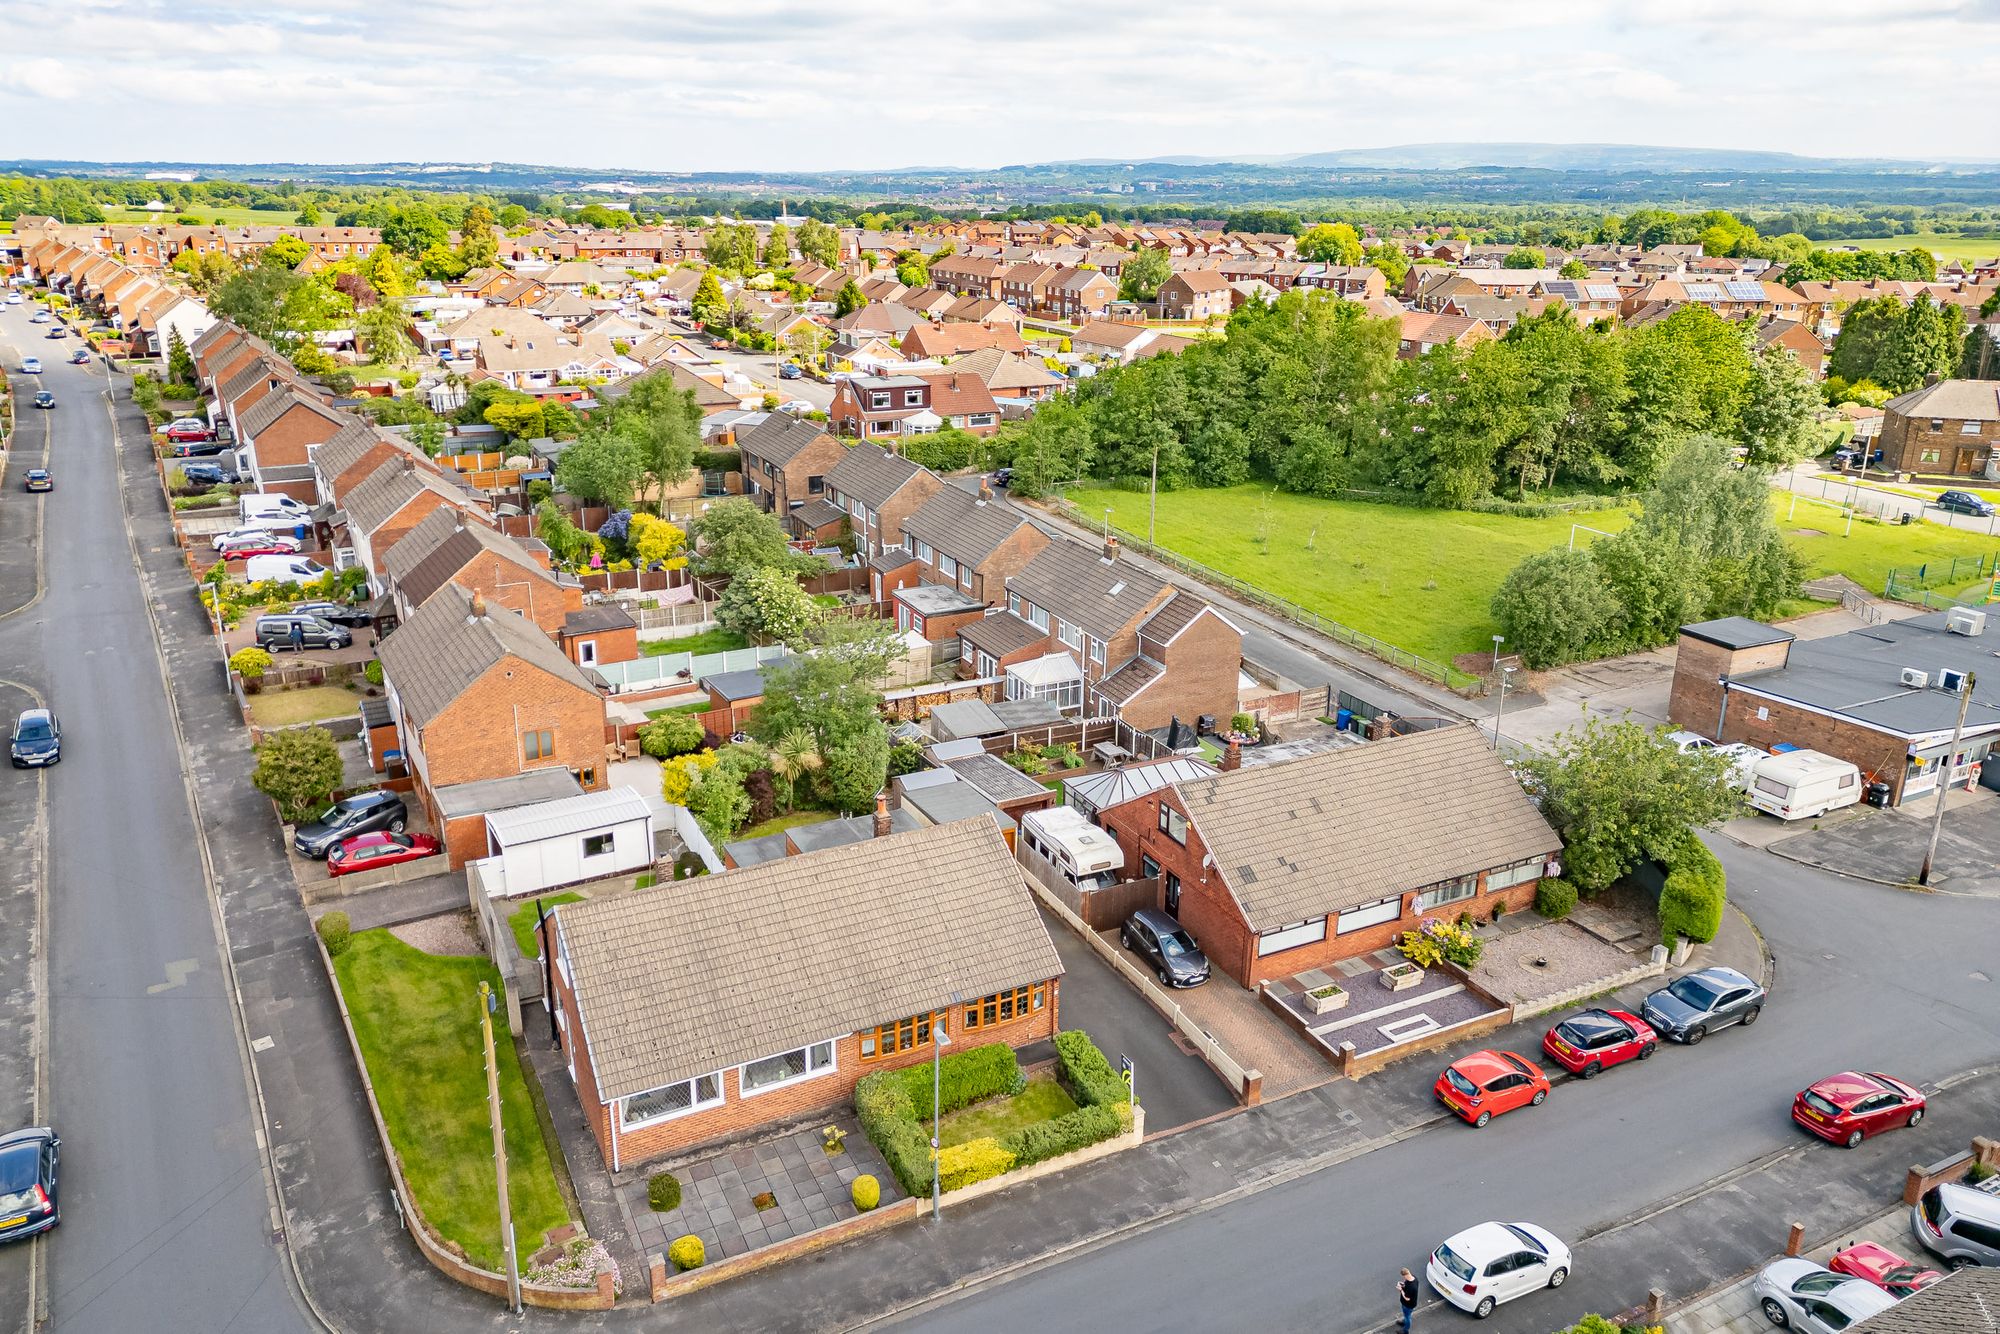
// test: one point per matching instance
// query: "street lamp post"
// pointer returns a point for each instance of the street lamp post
(939, 1041)
(1506, 681)
(1498, 640)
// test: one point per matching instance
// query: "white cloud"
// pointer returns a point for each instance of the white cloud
(704, 85)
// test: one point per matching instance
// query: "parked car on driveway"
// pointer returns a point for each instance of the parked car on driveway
(1691, 1007)
(1959, 1224)
(1687, 742)
(237, 537)
(1847, 1108)
(365, 852)
(362, 813)
(198, 449)
(1882, 1267)
(30, 1162)
(188, 428)
(1800, 1295)
(1483, 1266)
(1964, 502)
(38, 479)
(208, 474)
(1586, 1043)
(1165, 944)
(335, 613)
(275, 632)
(37, 740)
(1487, 1084)
(270, 544)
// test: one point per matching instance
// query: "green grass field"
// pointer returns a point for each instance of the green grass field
(417, 1018)
(209, 213)
(1424, 579)
(1951, 247)
(717, 640)
(523, 920)
(1042, 1100)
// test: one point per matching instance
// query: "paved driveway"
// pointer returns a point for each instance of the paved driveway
(1888, 846)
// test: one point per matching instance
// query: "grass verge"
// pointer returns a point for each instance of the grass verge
(1042, 1100)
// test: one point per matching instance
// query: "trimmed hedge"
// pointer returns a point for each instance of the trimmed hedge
(975, 1160)
(866, 1192)
(687, 1253)
(893, 1105)
(1067, 1133)
(1085, 1074)
(663, 1192)
(1692, 898)
(334, 933)
(966, 1077)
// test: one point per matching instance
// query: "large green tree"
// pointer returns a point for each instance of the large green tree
(819, 243)
(1331, 243)
(602, 466)
(1141, 273)
(1780, 411)
(1687, 373)
(737, 535)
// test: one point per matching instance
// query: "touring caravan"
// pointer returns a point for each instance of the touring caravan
(1083, 856)
(1799, 784)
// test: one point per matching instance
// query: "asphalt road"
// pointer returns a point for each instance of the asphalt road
(167, 1223)
(1868, 977)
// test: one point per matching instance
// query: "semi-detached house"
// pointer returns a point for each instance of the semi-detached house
(969, 543)
(452, 549)
(878, 490)
(391, 501)
(276, 438)
(719, 1006)
(786, 461)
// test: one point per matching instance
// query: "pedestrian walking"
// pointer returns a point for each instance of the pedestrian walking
(1406, 1296)
(298, 637)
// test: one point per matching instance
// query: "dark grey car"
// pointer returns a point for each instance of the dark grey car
(362, 813)
(275, 632)
(1691, 1007)
(1164, 943)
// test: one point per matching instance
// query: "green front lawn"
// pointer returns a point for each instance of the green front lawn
(717, 640)
(301, 704)
(1042, 1100)
(522, 922)
(416, 1016)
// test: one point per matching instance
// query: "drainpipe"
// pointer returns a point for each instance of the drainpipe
(1722, 715)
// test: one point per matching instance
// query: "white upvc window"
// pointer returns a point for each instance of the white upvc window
(671, 1100)
(947, 567)
(1069, 633)
(1511, 876)
(1368, 914)
(1097, 651)
(913, 398)
(924, 552)
(1451, 892)
(1291, 937)
(787, 1067)
(1037, 617)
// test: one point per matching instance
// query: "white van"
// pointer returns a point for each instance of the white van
(250, 508)
(1083, 855)
(1800, 784)
(283, 570)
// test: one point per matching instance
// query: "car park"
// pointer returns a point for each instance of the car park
(1691, 1007)
(366, 852)
(31, 365)
(362, 813)
(1882, 1267)
(1849, 1107)
(1481, 1267)
(275, 632)
(30, 1171)
(1165, 944)
(1812, 1299)
(1960, 1224)
(335, 613)
(1964, 502)
(1489, 1083)
(45, 399)
(37, 740)
(1585, 1044)
(39, 479)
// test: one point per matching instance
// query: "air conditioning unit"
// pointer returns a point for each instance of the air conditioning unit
(1916, 678)
(1951, 682)
(1965, 621)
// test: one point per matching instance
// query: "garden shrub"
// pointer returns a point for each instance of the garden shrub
(663, 1192)
(687, 1253)
(372, 672)
(1244, 723)
(1082, 1070)
(889, 1119)
(1436, 940)
(1554, 899)
(965, 1077)
(334, 933)
(1692, 898)
(866, 1192)
(250, 663)
(975, 1160)
(672, 736)
(1066, 1133)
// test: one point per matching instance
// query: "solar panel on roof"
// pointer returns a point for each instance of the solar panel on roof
(1704, 292)
(1745, 291)
(1603, 291)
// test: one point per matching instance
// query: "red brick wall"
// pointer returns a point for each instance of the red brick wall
(479, 735)
(793, 482)
(903, 504)
(612, 645)
(1879, 755)
(283, 443)
(1202, 667)
(541, 600)
(383, 539)
(372, 458)
(989, 579)
(1699, 666)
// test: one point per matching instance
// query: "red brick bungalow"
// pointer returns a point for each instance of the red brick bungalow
(722, 1005)
(1283, 867)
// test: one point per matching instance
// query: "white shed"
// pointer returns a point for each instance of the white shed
(551, 843)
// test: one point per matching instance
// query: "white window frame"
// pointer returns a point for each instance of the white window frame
(913, 398)
(1038, 618)
(878, 399)
(1439, 896)
(924, 551)
(1366, 915)
(1070, 633)
(1291, 937)
(947, 568)
(1509, 876)
(811, 1071)
(696, 1103)
(1097, 651)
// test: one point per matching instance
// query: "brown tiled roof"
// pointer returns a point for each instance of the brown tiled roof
(1176, 615)
(956, 395)
(1005, 370)
(281, 401)
(418, 543)
(1303, 838)
(817, 513)
(347, 447)
(1076, 583)
(379, 496)
(873, 475)
(465, 541)
(1953, 400)
(1001, 634)
(963, 526)
(1965, 1301)
(259, 370)
(435, 656)
(724, 969)
(1124, 685)
(780, 438)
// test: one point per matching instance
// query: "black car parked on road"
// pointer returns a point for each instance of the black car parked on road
(29, 1160)
(1964, 502)
(362, 813)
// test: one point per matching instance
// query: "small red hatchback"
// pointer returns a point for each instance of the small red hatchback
(365, 852)
(1882, 1267)
(1584, 1044)
(1847, 1108)
(1485, 1084)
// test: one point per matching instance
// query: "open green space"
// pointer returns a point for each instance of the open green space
(790, 820)
(209, 214)
(302, 704)
(416, 1016)
(1424, 580)
(522, 922)
(717, 640)
(1968, 248)
(1042, 1100)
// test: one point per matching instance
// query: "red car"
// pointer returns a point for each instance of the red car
(365, 852)
(1585, 1043)
(249, 549)
(1882, 1267)
(1485, 1084)
(1848, 1107)
(189, 431)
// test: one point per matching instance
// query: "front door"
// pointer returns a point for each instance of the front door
(1173, 896)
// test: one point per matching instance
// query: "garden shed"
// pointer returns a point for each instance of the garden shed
(552, 843)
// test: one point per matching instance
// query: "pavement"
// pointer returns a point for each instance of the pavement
(1888, 846)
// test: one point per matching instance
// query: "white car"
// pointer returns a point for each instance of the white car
(31, 365)
(255, 537)
(1801, 1295)
(1484, 1266)
(1742, 760)
(13, 298)
(1688, 742)
(40, 317)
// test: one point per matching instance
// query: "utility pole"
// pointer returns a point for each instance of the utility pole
(487, 1000)
(1506, 680)
(1944, 779)
(1153, 513)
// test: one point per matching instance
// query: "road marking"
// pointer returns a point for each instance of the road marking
(264, 1043)
(178, 972)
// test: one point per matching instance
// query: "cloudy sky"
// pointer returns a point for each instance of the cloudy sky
(765, 85)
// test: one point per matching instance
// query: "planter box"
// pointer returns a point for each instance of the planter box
(1326, 1004)
(1402, 976)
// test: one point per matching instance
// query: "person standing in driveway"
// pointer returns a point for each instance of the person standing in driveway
(298, 637)
(1406, 1296)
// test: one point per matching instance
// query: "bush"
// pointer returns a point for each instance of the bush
(1692, 898)
(372, 673)
(663, 1192)
(250, 663)
(1082, 1070)
(1436, 940)
(672, 736)
(334, 933)
(1066, 1133)
(866, 1192)
(687, 1253)
(889, 1119)
(965, 1077)
(975, 1160)
(1555, 899)
(1244, 723)
(299, 768)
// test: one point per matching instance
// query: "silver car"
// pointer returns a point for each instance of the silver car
(1691, 1007)
(1800, 1295)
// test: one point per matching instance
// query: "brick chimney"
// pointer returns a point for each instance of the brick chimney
(881, 814)
(478, 606)
(1110, 550)
(1232, 759)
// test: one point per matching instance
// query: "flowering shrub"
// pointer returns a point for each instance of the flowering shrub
(581, 1261)
(1436, 939)
(678, 776)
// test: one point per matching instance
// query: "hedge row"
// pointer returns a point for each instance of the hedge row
(974, 1160)
(893, 1105)
(1692, 898)
(1083, 1071)
(1067, 1133)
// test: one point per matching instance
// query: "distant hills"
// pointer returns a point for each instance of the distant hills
(1541, 157)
